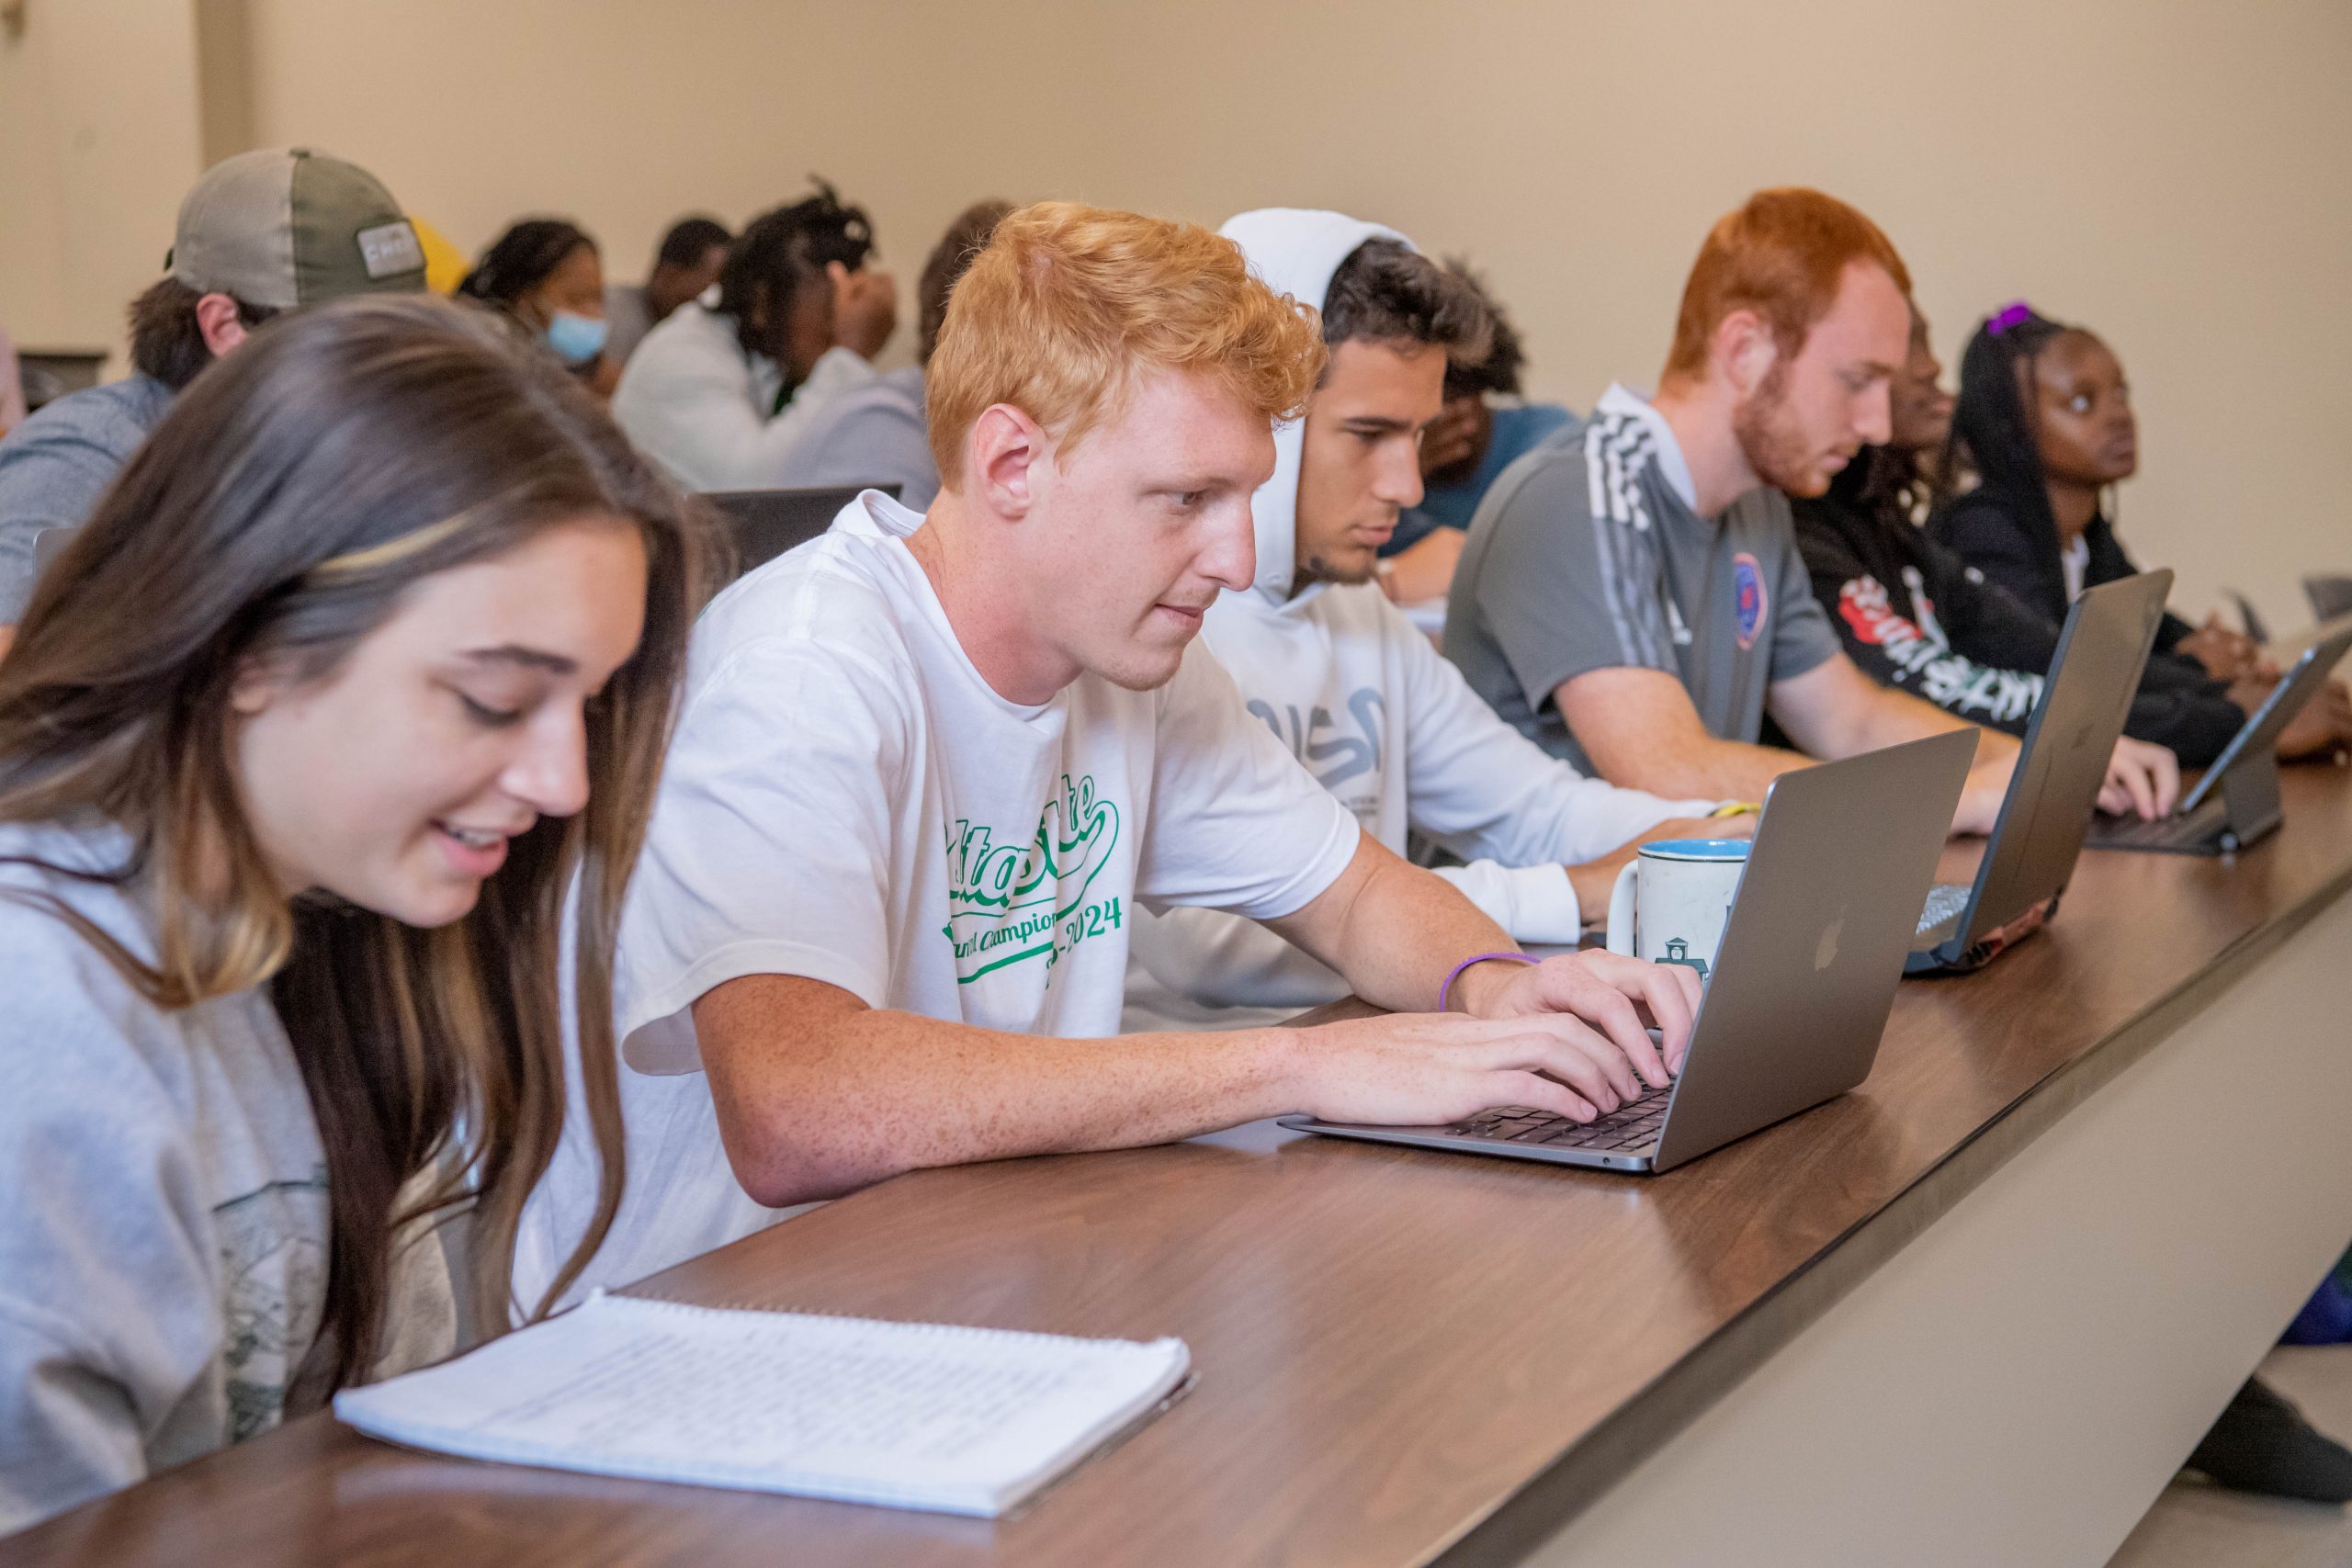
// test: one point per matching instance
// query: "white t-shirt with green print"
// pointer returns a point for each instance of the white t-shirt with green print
(848, 800)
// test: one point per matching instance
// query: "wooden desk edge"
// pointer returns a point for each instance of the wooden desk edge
(1554, 1497)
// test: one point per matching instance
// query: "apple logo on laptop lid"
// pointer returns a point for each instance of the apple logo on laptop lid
(1825, 954)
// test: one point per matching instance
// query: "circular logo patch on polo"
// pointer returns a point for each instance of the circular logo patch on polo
(1749, 602)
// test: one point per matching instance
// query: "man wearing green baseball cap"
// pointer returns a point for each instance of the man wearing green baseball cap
(261, 232)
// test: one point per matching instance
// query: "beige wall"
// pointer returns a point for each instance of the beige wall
(97, 142)
(2175, 174)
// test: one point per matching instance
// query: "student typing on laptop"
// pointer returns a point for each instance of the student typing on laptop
(1636, 600)
(929, 764)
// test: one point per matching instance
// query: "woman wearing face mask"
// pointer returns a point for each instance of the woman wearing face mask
(2044, 418)
(367, 658)
(548, 276)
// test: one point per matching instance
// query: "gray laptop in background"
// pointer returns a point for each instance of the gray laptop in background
(766, 522)
(2235, 802)
(2053, 795)
(1803, 983)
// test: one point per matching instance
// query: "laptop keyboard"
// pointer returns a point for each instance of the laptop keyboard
(2199, 825)
(1945, 901)
(1631, 1126)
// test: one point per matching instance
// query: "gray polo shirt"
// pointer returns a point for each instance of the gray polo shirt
(55, 467)
(1586, 555)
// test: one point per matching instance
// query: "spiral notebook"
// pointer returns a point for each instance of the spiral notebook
(905, 1415)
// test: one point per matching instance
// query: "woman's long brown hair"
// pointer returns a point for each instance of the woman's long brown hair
(291, 496)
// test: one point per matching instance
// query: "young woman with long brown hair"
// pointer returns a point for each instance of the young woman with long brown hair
(364, 664)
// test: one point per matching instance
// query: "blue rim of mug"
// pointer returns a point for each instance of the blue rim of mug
(1697, 848)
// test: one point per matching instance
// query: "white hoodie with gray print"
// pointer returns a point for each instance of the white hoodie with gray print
(1367, 705)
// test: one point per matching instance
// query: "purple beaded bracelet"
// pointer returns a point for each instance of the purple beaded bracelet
(1446, 990)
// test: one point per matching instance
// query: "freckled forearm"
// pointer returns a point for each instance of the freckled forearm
(1899, 716)
(1400, 932)
(1641, 732)
(879, 1093)
(1697, 765)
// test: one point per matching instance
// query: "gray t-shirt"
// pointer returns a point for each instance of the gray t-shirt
(163, 1253)
(55, 467)
(1588, 556)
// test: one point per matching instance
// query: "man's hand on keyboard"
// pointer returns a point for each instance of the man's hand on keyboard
(1603, 988)
(2142, 781)
(1413, 1067)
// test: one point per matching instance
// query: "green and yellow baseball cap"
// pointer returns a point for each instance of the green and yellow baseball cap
(285, 226)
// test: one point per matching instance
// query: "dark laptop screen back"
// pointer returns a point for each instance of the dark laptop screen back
(2260, 739)
(766, 522)
(2092, 679)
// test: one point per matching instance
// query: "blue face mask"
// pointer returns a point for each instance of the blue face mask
(576, 339)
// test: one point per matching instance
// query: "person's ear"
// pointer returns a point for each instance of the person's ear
(1745, 351)
(218, 319)
(1002, 454)
(255, 686)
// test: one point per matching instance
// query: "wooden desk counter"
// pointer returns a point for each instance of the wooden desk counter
(1403, 1356)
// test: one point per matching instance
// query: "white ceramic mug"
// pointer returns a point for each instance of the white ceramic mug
(1673, 899)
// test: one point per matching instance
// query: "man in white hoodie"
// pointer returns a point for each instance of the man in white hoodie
(1346, 683)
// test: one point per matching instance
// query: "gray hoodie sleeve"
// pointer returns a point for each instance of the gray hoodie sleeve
(111, 1331)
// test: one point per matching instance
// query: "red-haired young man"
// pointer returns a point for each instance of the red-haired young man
(1635, 601)
(930, 765)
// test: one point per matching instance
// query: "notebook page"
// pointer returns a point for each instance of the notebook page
(921, 1415)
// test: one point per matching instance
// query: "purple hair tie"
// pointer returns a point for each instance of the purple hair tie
(2014, 314)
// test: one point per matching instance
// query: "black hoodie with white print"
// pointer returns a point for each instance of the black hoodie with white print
(1917, 617)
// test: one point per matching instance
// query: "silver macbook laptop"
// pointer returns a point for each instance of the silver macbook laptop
(2054, 791)
(1803, 983)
